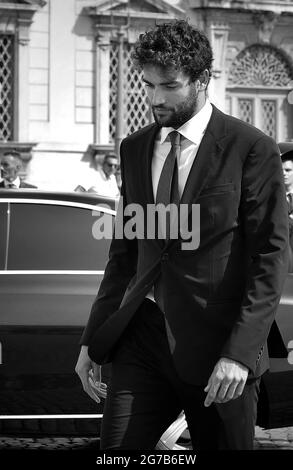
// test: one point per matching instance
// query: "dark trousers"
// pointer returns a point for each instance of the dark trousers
(145, 395)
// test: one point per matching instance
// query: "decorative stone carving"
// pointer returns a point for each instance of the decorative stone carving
(97, 152)
(102, 38)
(23, 28)
(265, 22)
(260, 65)
(24, 148)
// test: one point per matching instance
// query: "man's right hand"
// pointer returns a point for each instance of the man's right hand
(90, 375)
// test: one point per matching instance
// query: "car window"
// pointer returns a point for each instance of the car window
(3, 233)
(55, 237)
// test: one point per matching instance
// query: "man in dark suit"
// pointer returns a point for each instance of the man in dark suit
(11, 165)
(185, 321)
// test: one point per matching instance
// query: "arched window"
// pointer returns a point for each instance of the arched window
(260, 66)
(257, 89)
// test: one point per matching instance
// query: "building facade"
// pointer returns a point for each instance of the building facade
(68, 92)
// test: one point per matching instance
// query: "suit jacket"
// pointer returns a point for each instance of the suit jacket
(23, 184)
(290, 267)
(221, 298)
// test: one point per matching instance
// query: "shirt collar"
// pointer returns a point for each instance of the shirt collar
(16, 183)
(105, 177)
(194, 127)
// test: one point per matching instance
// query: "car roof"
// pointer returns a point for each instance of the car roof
(78, 197)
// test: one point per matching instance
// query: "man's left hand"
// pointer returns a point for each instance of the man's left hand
(226, 382)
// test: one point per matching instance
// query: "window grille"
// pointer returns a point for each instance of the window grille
(246, 110)
(6, 86)
(135, 106)
(268, 110)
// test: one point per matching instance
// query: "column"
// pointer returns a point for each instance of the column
(21, 119)
(119, 134)
(219, 40)
(102, 89)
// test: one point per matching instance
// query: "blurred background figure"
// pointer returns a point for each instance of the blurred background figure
(286, 149)
(11, 166)
(105, 183)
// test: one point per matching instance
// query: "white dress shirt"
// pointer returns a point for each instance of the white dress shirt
(192, 131)
(105, 186)
(15, 183)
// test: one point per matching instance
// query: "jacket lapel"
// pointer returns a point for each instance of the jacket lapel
(200, 168)
(210, 148)
(146, 167)
(146, 172)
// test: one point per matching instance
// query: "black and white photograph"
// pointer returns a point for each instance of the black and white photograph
(146, 230)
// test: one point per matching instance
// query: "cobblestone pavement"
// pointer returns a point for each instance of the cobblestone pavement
(48, 443)
(273, 439)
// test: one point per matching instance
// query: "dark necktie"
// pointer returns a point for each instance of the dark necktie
(168, 189)
(290, 202)
(168, 192)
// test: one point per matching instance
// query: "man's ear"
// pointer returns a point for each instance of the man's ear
(203, 80)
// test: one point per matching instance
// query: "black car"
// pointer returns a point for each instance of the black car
(51, 265)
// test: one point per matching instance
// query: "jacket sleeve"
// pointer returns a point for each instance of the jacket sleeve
(121, 267)
(263, 212)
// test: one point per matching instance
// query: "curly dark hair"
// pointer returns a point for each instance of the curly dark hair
(176, 44)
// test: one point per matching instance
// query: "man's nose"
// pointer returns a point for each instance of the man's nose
(158, 97)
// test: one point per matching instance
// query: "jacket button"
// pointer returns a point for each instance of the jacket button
(165, 256)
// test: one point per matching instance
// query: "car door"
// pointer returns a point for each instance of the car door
(3, 233)
(54, 265)
(276, 403)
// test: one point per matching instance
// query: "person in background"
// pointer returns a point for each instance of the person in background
(105, 178)
(11, 166)
(286, 150)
